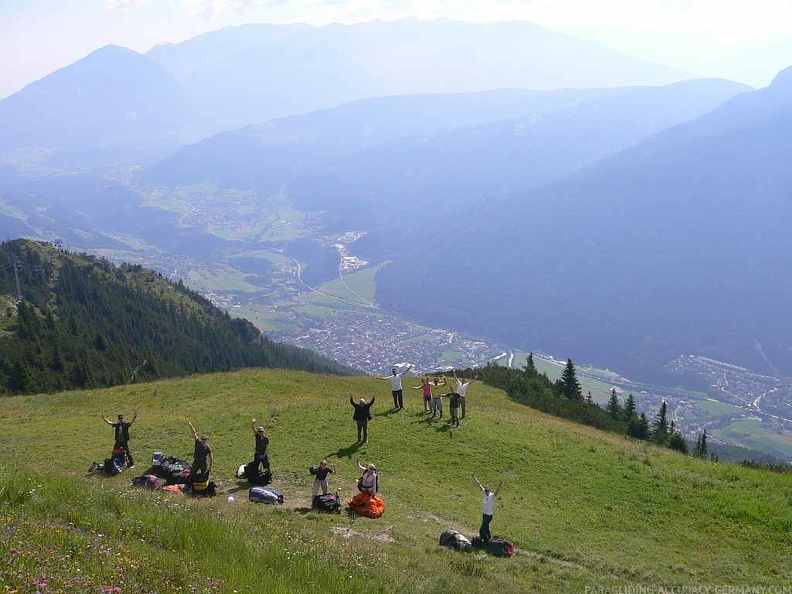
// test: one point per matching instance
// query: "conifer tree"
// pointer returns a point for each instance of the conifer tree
(660, 426)
(613, 408)
(643, 427)
(570, 386)
(700, 451)
(677, 442)
(628, 412)
(589, 399)
(530, 366)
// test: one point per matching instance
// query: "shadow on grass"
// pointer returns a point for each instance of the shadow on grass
(241, 485)
(347, 451)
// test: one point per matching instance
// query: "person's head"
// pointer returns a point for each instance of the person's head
(393, 371)
(260, 432)
(323, 463)
(204, 438)
(362, 401)
(371, 468)
(120, 418)
(487, 490)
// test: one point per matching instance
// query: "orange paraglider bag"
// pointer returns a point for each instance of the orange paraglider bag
(367, 505)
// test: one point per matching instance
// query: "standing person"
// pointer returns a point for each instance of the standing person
(320, 478)
(262, 447)
(427, 393)
(462, 387)
(369, 482)
(437, 405)
(486, 508)
(362, 416)
(122, 434)
(396, 386)
(453, 407)
(203, 453)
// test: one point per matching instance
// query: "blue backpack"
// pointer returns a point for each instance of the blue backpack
(265, 495)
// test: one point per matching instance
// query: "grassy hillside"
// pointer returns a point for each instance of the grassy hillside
(584, 508)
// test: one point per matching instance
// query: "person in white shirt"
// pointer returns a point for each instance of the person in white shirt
(462, 386)
(486, 508)
(396, 386)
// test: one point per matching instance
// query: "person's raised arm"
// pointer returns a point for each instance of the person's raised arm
(105, 419)
(351, 400)
(480, 486)
(134, 416)
(360, 466)
(194, 432)
(497, 490)
(253, 425)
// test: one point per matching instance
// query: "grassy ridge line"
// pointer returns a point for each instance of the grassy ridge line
(602, 509)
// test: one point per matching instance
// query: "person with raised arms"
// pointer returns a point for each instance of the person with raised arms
(396, 386)
(122, 434)
(462, 386)
(362, 416)
(487, 505)
(203, 456)
(261, 455)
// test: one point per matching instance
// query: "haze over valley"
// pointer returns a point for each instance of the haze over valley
(442, 193)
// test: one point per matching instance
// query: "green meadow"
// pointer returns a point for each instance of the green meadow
(585, 509)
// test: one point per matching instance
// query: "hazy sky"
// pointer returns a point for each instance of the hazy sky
(745, 40)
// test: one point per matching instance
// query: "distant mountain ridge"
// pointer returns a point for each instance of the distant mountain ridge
(675, 245)
(112, 104)
(374, 163)
(119, 106)
(82, 322)
(303, 69)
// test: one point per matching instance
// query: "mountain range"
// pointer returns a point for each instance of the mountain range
(117, 105)
(677, 244)
(375, 162)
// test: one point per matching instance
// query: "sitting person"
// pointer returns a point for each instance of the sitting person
(369, 482)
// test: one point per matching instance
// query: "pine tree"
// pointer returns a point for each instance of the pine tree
(530, 366)
(589, 399)
(700, 451)
(628, 412)
(677, 442)
(660, 427)
(613, 408)
(570, 386)
(643, 427)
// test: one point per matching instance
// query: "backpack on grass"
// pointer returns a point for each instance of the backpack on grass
(453, 539)
(265, 495)
(328, 502)
(148, 481)
(500, 547)
(251, 473)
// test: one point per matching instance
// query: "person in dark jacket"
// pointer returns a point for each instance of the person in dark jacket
(362, 415)
(261, 456)
(203, 453)
(122, 434)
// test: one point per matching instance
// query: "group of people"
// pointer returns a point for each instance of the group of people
(203, 455)
(433, 403)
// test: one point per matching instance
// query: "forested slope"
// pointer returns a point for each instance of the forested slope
(74, 321)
